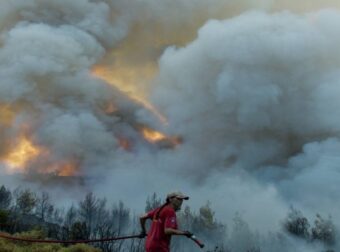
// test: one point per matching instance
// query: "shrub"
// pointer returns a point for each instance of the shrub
(296, 224)
(80, 248)
(17, 246)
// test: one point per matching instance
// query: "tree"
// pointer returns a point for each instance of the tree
(324, 230)
(206, 225)
(296, 224)
(87, 211)
(202, 224)
(26, 201)
(120, 217)
(242, 238)
(5, 197)
(44, 207)
(71, 216)
(103, 226)
(78, 231)
(119, 222)
(3, 218)
(102, 214)
(207, 215)
(58, 215)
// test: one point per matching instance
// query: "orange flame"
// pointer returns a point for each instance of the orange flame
(110, 108)
(152, 135)
(130, 91)
(156, 137)
(22, 154)
(25, 152)
(124, 143)
(67, 171)
(63, 169)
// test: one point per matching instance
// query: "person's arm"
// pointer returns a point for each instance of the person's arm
(142, 221)
(170, 227)
(172, 231)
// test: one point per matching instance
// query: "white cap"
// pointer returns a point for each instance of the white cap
(178, 195)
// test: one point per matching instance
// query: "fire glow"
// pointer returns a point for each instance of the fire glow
(153, 136)
(124, 143)
(63, 169)
(25, 156)
(130, 91)
(6, 115)
(156, 137)
(22, 154)
(25, 153)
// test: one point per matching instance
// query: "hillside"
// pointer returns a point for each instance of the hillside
(10, 246)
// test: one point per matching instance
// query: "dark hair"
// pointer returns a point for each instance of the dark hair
(161, 208)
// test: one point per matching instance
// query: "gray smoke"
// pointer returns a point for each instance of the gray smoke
(259, 93)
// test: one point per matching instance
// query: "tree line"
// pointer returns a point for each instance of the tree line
(93, 217)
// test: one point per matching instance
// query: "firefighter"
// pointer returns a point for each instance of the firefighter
(164, 224)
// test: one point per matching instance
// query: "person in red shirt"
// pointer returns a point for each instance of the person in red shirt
(164, 224)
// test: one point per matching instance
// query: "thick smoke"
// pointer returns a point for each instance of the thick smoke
(260, 93)
(253, 94)
(260, 86)
(263, 92)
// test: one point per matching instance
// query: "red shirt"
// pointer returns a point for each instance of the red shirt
(157, 240)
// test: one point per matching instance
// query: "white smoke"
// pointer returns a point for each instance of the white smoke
(260, 92)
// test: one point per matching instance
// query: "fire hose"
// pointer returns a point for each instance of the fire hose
(197, 241)
(8, 237)
(13, 238)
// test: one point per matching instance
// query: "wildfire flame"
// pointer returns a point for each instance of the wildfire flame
(63, 169)
(25, 153)
(156, 137)
(130, 91)
(67, 170)
(152, 135)
(22, 154)
(124, 143)
(110, 108)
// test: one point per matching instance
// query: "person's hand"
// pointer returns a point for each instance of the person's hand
(142, 235)
(188, 234)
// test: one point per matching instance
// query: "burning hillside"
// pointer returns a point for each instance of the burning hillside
(232, 101)
(23, 155)
(26, 153)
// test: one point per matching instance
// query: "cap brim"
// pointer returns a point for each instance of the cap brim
(183, 197)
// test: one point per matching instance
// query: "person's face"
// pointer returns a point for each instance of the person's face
(177, 203)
